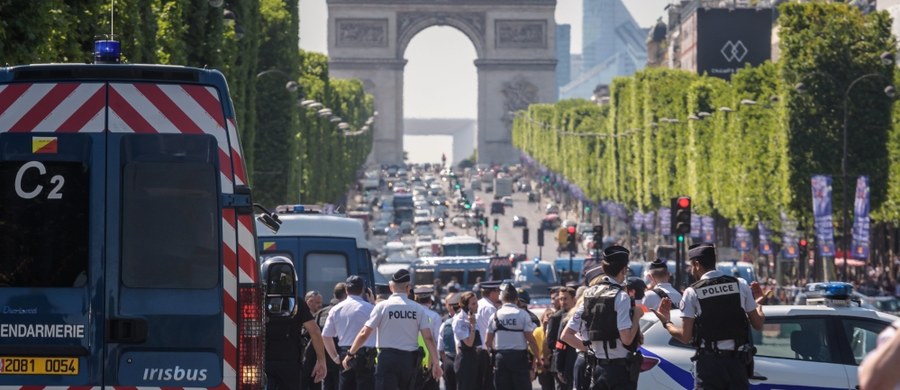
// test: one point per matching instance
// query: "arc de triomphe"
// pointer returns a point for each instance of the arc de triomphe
(514, 41)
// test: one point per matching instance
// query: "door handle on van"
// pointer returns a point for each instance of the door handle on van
(126, 330)
(240, 200)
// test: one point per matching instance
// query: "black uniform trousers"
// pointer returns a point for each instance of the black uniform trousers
(284, 375)
(612, 375)
(449, 372)
(580, 381)
(361, 375)
(512, 370)
(396, 369)
(466, 367)
(719, 371)
(485, 372)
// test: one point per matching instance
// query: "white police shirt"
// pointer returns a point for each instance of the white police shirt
(623, 322)
(652, 299)
(346, 319)
(462, 328)
(690, 303)
(515, 319)
(398, 321)
(486, 309)
(434, 323)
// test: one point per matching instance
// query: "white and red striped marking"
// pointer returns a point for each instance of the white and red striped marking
(52, 107)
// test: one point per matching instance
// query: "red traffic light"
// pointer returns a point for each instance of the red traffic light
(803, 243)
(570, 229)
(684, 202)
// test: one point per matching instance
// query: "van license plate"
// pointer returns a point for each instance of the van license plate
(38, 366)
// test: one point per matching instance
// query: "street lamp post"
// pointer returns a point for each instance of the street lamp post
(845, 185)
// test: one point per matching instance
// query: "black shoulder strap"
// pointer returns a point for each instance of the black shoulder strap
(662, 293)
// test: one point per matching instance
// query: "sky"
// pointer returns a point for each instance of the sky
(441, 58)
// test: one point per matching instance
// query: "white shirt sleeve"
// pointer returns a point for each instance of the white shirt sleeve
(492, 324)
(460, 327)
(529, 326)
(375, 316)
(575, 322)
(690, 304)
(329, 329)
(424, 320)
(747, 301)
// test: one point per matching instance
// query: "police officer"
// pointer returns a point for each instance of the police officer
(399, 322)
(487, 306)
(716, 313)
(424, 296)
(509, 339)
(612, 326)
(344, 321)
(660, 275)
(448, 343)
(468, 339)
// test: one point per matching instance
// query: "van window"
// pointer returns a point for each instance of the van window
(44, 224)
(324, 270)
(170, 217)
(424, 276)
(474, 275)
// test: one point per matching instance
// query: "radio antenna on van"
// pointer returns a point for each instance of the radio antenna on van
(112, 19)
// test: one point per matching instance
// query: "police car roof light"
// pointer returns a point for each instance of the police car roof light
(107, 51)
(299, 208)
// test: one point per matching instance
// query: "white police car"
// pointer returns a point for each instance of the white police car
(816, 346)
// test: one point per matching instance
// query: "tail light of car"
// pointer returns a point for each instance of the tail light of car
(649, 363)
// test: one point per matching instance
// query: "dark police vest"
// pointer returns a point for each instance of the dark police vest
(721, 315)
(283, 341)
(601, 317)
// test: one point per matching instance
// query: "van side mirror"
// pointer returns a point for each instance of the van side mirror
(280, 286)
(267, 218)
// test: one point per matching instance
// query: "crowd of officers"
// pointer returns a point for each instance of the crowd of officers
(488, 340)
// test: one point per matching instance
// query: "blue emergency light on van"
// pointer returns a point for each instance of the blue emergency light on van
(107, 52)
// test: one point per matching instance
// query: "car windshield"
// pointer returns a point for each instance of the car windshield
(462, 250)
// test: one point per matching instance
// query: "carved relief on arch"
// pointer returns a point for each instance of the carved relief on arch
(472, 24)
(518, 94)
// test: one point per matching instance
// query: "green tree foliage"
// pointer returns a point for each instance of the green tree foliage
(288, 150)
(744, 149)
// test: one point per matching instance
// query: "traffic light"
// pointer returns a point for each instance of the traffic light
(681, 216)
(496, 224)
(540, 237)
(571, 241)
(804, 255)
(525, 236)
(598, 236)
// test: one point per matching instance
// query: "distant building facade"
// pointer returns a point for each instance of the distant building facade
(612, 45)
(563, 54)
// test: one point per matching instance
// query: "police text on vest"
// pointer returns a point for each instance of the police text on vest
(717, 290)
(402, 314)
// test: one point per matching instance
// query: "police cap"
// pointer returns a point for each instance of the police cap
(592, 274)
(704, 253)
(423, 291)
(658, 264)
(355, 282)
(490, 285)
(453, 299)
(401, 276)
(616, 255)
(524, 297)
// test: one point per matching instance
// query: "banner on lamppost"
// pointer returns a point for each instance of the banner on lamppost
(695, 227)
(821, 198)
(860, 245)
(665, 221)
(708, 229)
(637, 222)
(765, 247)
(789, 249)
(650, 221)
(742, 240)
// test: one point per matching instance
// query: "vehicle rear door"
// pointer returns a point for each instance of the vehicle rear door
(789, 348)
(164, 269)
(52, 159)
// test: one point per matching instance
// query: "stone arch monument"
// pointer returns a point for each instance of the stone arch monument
(514, 40)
